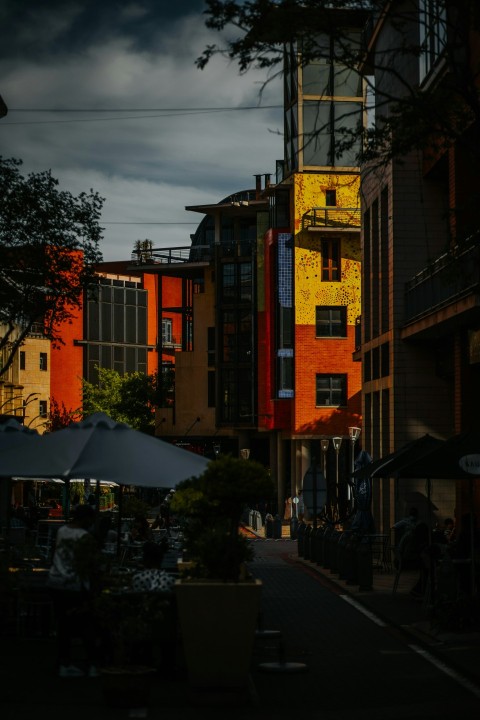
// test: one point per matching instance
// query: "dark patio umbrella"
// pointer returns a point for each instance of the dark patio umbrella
(102, 449)
(363, 521)
(12, 435)
(458, 458)
(392, 465)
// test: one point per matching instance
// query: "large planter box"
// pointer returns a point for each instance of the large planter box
(217, 624)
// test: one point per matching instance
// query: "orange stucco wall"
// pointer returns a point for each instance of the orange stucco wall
(324, 355)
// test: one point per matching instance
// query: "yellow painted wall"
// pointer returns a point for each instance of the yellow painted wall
(310, 291)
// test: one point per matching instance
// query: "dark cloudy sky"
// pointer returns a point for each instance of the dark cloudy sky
(106, 94)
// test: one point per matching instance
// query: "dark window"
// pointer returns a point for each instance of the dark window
(331, 321)
(331, 198)
(211, 346)
(22, 359)
(42, 408)
(331, 390)
(331, 260)
(211, 388)
(43, 361)
(385, 360)
(285, 376)
(228, 280)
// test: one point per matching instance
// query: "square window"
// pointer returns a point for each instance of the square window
(331, 321)
(331, 390)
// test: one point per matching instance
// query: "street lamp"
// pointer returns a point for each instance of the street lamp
(324, 447)
(245, 453)
(337, 442)
(354, 433)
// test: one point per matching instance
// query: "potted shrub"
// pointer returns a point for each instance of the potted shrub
(218, 601)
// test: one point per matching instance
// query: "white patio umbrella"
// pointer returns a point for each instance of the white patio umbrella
(100, 448)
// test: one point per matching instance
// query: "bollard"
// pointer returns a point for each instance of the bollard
(277, 527)
(318, 545)
(301, 538)
(293, 528)
(327, 539)
(334, 552)
(364, 564)
(307, 548)
(351, 575)
(342, 551)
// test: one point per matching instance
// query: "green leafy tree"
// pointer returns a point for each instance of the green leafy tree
(130, 398)
(49, 244)
(404, 116)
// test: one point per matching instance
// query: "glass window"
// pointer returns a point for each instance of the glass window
(228, 279)
(22, 359)
(331, 321)
(245, 281)
(331, 198)
(433, 33)
(43, 361)
(42, 408)
(228, 395)
(245, 337)
(331, 390)
(285, 376)
(331, 260)
(167, 325)
(229, 336)
(316, 78)
(211, 388)
(317, 133)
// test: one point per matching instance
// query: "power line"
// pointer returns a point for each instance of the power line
(187, 110)
(165, 113)
(115, 222)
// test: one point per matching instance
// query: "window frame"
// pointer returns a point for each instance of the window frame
(331, 323)
(331, 260)
(332, 391)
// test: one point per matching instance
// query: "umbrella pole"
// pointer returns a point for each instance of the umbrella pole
(431, 558)
(66, 499)
(119, 520)
(472, 540)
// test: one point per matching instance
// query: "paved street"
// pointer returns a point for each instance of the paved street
(342, 654)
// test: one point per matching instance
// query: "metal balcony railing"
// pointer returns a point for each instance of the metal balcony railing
(332, 218)
(452, 276)
(173, 255)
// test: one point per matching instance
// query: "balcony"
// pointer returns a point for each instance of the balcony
(173, 255)
(451, 277)
(332, 218)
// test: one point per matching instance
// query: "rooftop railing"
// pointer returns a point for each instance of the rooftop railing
(173, 255)
(332, 218)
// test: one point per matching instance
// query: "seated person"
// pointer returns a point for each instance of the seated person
(141, 530)
(152, 578)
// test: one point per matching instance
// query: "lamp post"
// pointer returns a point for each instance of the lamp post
(354, 433)
(337, 443)
(324, 443)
